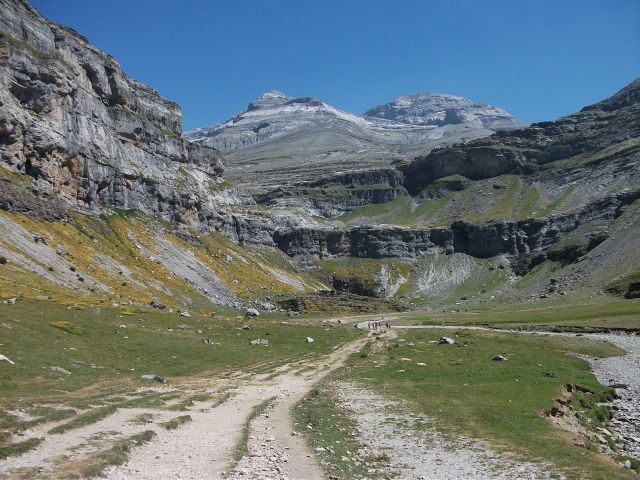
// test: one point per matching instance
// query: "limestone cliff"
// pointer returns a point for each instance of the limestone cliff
(88, 134)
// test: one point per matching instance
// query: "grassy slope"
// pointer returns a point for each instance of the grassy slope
(111, 250)
(118, 345)
(607, 313)
(500, 402)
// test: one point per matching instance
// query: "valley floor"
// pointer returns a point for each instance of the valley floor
(391, 404)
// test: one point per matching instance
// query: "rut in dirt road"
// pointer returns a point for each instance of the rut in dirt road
(203, 448)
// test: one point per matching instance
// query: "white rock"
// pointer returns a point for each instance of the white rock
(6, 359)
(309, 340)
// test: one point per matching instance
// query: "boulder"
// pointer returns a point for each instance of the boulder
(446, 341)
(309, 340)
(260, 341)
(150, 377)
(500, 358)
(252, 312)
(156, 304)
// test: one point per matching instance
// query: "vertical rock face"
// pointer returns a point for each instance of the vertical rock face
(595, 128)
(72, 120)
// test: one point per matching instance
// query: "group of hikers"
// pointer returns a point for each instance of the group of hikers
(378, 325)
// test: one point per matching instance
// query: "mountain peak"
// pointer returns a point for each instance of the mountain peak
(431, 108)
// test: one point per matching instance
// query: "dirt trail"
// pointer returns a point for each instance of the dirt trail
(202, 449)
(274, 450)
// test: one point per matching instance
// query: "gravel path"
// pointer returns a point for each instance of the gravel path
(623, 370)
(387, 427)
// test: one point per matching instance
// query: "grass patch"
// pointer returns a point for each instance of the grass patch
(95, 464)
(14, 449)
(85, 419)
(501, 402)
(334, 431)
(241, 449)
(552, 314)
(114, 357)
(176, 422)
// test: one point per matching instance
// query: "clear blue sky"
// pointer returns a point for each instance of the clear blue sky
(538, 59)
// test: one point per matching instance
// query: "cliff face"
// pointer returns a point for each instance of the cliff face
(593, 129)
(86, 133)
(522, 240)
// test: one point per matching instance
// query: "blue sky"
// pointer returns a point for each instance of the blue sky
(538, 59)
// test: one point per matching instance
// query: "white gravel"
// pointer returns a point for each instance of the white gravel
(388, 427)
(622, 370)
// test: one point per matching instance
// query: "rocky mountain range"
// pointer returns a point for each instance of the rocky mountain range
(306, 137)
(386, 204)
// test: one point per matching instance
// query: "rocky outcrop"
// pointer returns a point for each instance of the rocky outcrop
(440, 109)
(524, 241)
(336, 194)
(88, 134)
(613, 121)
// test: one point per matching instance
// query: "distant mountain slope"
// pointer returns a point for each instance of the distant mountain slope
(278, 139)
(440, 109)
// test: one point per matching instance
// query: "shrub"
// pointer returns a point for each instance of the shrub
(3, 260)
(68, 327)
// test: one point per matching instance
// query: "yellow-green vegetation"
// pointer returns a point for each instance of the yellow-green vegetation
(367, 274)
(124, 256)
(16, 178)
(502, 403)
(67, 327)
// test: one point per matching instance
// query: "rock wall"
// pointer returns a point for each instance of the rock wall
(333, 195)
(522, 240)
(594, 128)
(86, 133)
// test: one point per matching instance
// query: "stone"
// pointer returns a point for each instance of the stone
(10, 301)
(260, 341)
(185, 313)
(150, 377)
(550, 373)
(6, 359)
(446, 341)
(252, 312)
(60, 370)
(156, 304)
(309, 340)
(499, 358)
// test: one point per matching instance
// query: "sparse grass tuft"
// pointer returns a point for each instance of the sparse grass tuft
(14, 449)
(176, 422)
